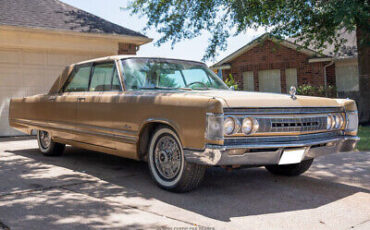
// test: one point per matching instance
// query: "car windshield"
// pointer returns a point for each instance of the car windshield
(150, 73)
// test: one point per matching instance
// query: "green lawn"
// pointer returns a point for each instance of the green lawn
(364, 133)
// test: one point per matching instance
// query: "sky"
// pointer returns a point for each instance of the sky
(194, 49)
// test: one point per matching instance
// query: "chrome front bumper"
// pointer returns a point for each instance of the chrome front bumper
(258, 154)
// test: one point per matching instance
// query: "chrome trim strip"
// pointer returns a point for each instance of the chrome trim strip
(280, 139)
(124, 138)
(279, 145)
(285, 110)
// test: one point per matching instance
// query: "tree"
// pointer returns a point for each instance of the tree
(312, 22)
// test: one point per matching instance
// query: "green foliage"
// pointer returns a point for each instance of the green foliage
(230, 82)
(167, 81)
(310, 90)
(364, 134)
(312, 22)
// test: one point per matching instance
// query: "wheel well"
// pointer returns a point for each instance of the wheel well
(145, 135)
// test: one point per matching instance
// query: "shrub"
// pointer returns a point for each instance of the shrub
(230, 82)
(310, 90)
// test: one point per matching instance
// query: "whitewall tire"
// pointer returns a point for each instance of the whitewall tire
(167, 164)
(47, 146)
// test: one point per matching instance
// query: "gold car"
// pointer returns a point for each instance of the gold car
(181, 118)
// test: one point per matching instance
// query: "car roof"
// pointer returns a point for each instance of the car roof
(120, 57)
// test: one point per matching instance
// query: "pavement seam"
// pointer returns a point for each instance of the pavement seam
(133, 207)
(44, 188)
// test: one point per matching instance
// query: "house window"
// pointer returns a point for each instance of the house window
(291, 78)
(347, 77)
(269, 80)
(248, 81)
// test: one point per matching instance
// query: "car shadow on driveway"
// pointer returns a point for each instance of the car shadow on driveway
(221, 196)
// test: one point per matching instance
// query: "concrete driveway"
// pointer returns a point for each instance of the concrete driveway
(90, 190)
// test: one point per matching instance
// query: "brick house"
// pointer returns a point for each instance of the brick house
(272, 65)
(38, 38)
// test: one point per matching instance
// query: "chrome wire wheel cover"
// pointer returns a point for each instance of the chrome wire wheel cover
(45, 139)
(167, 157)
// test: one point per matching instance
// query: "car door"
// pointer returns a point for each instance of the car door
(63, 105)
(94, 108)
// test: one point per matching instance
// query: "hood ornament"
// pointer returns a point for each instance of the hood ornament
(292, 92)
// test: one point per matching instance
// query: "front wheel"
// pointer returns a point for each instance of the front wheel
(167, 164)
(290, 170)
(47, 146)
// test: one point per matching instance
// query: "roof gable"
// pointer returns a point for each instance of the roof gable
(260, 40)
(55, 15)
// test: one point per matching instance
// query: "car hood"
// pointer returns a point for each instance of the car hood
(259, 99)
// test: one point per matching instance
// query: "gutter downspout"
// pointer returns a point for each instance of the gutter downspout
(326, 77)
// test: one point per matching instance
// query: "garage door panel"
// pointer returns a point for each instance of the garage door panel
(10, 75)
(269, 81)
(34, 58)
(9, 56)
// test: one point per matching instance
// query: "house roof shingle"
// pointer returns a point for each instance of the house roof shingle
(347, 50)
(55, 15)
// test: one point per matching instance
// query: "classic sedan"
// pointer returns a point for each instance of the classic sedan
(181, 118)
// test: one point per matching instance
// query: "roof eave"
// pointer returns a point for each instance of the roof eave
(137, 40)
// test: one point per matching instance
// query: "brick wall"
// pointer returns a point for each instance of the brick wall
(270, 55)
(124, 48)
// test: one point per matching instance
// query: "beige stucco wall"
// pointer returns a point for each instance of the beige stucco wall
(30, 61)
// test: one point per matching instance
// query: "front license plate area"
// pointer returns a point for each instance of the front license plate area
(292, 156)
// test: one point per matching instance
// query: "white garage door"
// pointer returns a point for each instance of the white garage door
(25, 73)
(269, 81)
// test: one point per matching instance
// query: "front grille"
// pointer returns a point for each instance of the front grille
(291, 124)
(286, 120)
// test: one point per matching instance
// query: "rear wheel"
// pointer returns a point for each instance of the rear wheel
(167, 164)
(47, 146)
(290, 170)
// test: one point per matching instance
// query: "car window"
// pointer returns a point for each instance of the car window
(116, 84)
(79, 81)
(101, 79)
(171, 79)
(159, 74)
(196, 75)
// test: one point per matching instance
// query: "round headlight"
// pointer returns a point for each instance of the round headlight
(330, 122)
(229, 125)
(249, 125)
(338, 121)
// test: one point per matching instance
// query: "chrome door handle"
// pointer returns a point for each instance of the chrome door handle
(81, 99)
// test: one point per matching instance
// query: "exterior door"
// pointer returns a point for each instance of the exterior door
(63, 106)
(94, 107)
(269, 81)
